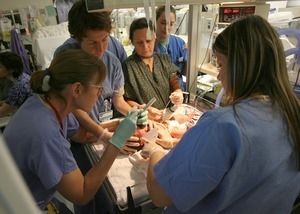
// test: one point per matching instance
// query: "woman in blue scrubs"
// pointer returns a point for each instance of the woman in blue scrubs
(244, 157)
(38, 134)
(170, 44)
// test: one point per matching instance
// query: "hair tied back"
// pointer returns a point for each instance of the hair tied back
(45, 85)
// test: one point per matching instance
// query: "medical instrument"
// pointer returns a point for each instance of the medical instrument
(149, 103)
(167, 103)
(142, 122)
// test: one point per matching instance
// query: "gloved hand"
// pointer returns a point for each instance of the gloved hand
(125, 129)
(142, 117)
(167, 143)
(176, 98)
(163, 132)
(105, 136)
(150, 147)
(155, 114)
(151, 125)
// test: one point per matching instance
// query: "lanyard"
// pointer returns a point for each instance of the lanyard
(47, 100)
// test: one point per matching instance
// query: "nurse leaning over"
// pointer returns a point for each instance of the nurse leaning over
(38, 134)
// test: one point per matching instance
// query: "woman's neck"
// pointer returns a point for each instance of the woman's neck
(162, 40)
(149, 63)
(57, 105)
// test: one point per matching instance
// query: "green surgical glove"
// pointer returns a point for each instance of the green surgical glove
(142, 117)
(125, 129)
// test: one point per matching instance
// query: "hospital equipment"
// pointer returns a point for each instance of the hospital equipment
(293, 51)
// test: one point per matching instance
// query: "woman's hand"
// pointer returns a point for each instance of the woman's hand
(165, 139)
(167, 143)
(155, 114)
(151, 125)
(176, 97)
(150, 147)
(163, 132)
(132, 146)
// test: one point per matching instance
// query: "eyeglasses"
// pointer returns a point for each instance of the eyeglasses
(99, 87)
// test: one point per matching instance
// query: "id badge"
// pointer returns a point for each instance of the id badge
(105, 116)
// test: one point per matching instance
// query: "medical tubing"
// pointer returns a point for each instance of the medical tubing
(167, 14)
(206, 53)
(177, 29)
(296, 81)
(147, 13)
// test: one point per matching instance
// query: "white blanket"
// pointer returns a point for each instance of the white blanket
(132, 170)
(127, 171)
(46, 40)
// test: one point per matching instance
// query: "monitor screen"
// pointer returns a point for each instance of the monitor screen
(228, 14)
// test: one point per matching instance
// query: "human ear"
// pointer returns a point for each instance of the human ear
(76, 89)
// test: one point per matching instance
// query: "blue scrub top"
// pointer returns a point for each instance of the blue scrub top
(229, 164)
(176, 49)
(113, 83)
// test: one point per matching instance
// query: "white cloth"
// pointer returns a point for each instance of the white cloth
(125, 172)
(43, 49)
(45, 41)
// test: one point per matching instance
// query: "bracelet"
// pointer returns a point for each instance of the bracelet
(157, 149)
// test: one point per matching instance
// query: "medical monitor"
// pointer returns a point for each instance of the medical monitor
(228, 14)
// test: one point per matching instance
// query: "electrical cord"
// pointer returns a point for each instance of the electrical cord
(177, 29)
(210, 37)
(296, 81)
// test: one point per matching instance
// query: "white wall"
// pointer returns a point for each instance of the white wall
(293, 3)
(15, 4)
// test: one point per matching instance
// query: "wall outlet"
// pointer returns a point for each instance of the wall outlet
(209, 24)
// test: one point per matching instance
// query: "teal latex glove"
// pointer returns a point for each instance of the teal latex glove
(142, 117)
(125, 129)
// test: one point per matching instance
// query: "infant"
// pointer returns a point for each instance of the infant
(173, 126)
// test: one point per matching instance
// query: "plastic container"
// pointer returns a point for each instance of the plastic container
(6, 27)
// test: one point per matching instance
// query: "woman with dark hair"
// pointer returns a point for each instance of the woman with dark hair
(170, 44)
(244, 157)
(11, 69)
(148, 74)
